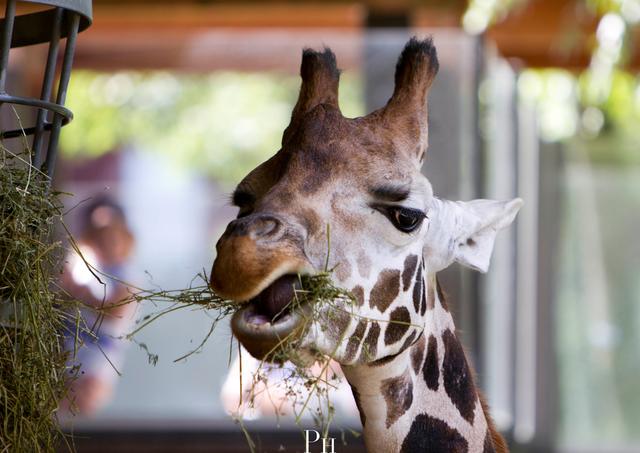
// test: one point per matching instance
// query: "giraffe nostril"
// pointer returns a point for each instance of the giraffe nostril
(258, 226)
(265, 227)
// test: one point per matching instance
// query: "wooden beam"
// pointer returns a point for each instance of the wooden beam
(201, 50)
(238, 15)
(543, 34)
(190, 35)
(205, 37)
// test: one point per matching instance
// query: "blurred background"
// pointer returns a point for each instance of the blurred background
(175, 101)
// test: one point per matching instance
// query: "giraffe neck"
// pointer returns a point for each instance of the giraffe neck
(423, 399)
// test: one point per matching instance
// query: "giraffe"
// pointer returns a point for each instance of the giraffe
(389, 236)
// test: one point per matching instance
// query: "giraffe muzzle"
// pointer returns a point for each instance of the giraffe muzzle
(253, 252)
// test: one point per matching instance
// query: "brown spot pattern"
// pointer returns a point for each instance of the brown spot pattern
(408, 341)
(417, 290)
(458, 381)
(370, 344)
(384, 360)
(398, 325)
(391, 358)
(417, 354)
(409, 268)
(441, 296)
(423, 300)
(358, 294)
(429, 434)
(338, 321)
(385, 290)
(355, 340)
(431, 368)
(398, 394)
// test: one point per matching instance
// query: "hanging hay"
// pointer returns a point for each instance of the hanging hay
(33, 371)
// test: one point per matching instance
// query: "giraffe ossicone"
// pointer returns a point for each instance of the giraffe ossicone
(389, 235)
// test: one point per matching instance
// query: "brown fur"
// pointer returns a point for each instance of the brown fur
(370, 344)
(358, 295)
(417, 354)
(498, 442)
(385, 290)
(398, 394)
(321, 150)
(410, 264)
(242, 252)
(355, 340)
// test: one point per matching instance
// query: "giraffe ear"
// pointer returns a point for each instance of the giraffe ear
(466, 231)
(483, 218)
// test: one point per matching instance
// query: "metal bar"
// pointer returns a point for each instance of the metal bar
(34, 102)
(5, 47)
(47, 86)
(528, 176)
(499, 285)
(65, 75)
(26, 131)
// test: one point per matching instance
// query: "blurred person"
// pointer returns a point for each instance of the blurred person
(255, 389)
(106, 243)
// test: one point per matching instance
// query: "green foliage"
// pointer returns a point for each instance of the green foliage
(223, 124)
(605, 99)
(622, 104)
(569, 109)
(480, 14)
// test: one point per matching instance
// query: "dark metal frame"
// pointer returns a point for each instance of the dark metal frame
(65, 19)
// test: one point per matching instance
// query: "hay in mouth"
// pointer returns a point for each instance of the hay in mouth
(281, 314)
(275, 302)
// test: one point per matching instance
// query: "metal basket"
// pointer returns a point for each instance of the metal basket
(65, 19)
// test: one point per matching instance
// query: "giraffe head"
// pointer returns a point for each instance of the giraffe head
(348, 192)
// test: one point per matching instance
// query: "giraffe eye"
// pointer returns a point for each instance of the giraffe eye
(405, 219)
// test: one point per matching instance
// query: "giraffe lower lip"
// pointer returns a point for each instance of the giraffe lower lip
(250, 318)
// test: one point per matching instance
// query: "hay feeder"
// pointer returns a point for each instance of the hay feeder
(33, 368)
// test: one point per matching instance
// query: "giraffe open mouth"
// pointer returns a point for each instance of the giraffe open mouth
(271, 318)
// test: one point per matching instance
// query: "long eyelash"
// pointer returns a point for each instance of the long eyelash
(410, 210)
(229, 198)
(242, 198)
(386, 209)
